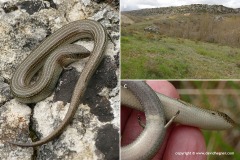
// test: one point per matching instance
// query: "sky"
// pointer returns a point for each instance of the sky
(127, 5)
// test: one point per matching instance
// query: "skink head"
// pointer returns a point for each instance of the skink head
(222, 120)
(227, 118)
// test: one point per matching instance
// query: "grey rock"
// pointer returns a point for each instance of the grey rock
(14, 121)
(218, 18)
(100, 15)
(152, 29)
(5, 94)
(86, 2)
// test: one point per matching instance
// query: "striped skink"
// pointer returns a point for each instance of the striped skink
(135, 94)
(52, 55)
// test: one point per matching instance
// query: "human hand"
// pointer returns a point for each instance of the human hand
(179, 139)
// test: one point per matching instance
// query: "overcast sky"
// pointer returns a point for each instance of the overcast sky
(140, 4)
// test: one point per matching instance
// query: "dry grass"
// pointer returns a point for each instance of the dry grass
(221, 29)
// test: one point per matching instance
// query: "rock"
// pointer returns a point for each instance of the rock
(152, 29)
(14, 123)
(5, 94)
(218, 18)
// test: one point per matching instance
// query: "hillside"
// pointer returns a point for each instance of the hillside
(181, 43)
(207, 23)
(126, 19)
(194, 8)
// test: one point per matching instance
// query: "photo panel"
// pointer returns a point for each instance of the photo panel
(204, 115)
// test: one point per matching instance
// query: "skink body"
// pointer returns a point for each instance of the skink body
(189, 114)
(147, 143)
(26, 92)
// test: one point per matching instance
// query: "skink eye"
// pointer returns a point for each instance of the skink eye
(213, 113)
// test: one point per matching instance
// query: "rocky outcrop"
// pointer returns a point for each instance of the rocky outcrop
(152, 29)
(194, 8)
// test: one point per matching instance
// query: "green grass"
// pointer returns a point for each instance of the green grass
(215, 141)
(152, 56)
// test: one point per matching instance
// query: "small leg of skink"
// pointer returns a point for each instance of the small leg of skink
(171, 120)
(167, 125)
(140, 122)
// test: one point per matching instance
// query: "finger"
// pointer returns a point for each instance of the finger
(183, 142)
